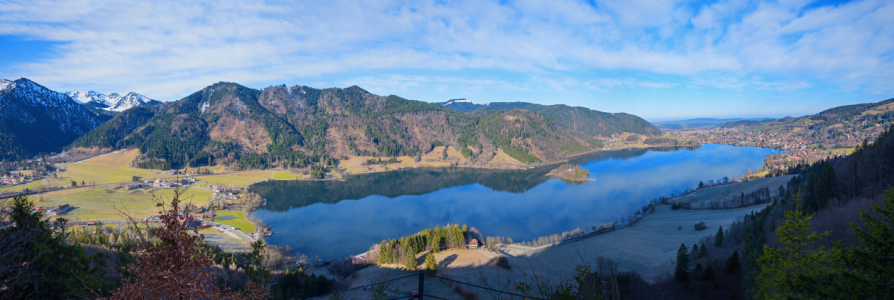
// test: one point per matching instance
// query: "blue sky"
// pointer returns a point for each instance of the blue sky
(657, 59)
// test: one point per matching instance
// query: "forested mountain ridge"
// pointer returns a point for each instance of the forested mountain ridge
(110, 133)
(281, 126)
(34, 119)
(590, 122)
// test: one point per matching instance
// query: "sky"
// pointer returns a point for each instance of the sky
(661, 60)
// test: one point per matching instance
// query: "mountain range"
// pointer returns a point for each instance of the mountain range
(295, 126)
(112, 102)
(590, 122)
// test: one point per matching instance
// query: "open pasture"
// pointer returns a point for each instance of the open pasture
(235, 219)
(241, 178)
(102, 204)
(281, 175)
(109, 168)
(16, 188)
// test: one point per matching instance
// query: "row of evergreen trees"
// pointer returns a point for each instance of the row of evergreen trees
(405, 249)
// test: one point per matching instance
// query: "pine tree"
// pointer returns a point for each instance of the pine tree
(694, 253)
(431, 265)
(709, 271)
(681, 272)
(435, 243)
(789, 271)
(732, 263)
(410, 259)
(718, 238)
(873, 262)
(703, 251)
(697, 273)
(384, 253)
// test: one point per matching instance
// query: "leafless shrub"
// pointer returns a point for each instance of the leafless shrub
(170, 264)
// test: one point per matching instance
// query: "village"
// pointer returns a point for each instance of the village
(803, 146)
(13, 179)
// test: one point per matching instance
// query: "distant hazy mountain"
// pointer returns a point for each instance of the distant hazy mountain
(34, 119)
(111, 102)
(708, 121)
(700, 122)
(849, 116)
(582, 119)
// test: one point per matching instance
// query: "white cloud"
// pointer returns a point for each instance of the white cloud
(603, 84)
(168, 49)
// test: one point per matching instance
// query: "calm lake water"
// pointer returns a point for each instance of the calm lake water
(318, 218)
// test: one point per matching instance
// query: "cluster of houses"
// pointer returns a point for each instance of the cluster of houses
(52, 211)
(158, 183)
(798, 147)
(190, 173)
(217, 189)
(12, 179)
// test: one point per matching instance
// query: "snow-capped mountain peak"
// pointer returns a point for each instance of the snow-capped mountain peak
(33, 92)
(111, 102)
(4, 83)
(460, 100)
(89, 96)
(127, 101)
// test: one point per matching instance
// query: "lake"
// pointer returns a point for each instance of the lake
(320, 218)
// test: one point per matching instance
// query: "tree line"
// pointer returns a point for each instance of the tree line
(404, 250)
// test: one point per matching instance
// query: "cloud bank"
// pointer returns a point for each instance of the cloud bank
(167, 49)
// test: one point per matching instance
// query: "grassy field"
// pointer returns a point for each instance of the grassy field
(102, 204)
(437, 153)
(15, 188)
(843, 151)
(503, 158)
(109, 168)
(355, 170)
(239, 221)
(760, 175)
(101, 174)
(241, 179)
(354, 164)
(286, 175)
